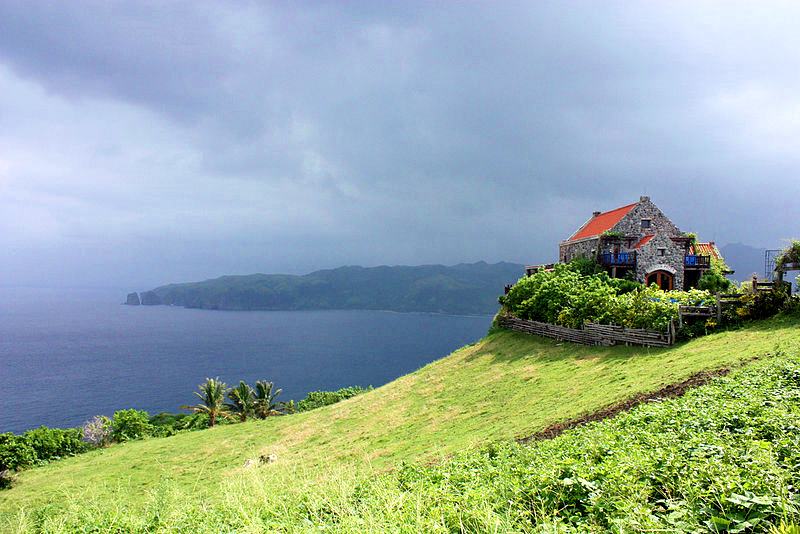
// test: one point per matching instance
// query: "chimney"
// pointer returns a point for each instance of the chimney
(644, 199)
(595, 214)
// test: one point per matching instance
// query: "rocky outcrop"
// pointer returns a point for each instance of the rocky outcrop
(151, 298)
(133, 299)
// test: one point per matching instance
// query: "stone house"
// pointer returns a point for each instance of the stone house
(640, 242)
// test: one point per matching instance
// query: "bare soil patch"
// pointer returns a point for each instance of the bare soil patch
(670, 391)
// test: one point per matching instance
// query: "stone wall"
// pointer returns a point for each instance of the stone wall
(586, 248)
(648, 259)
(631, 224)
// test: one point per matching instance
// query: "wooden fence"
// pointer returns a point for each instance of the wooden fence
(721, 300)
(592, 334)
(725, 300)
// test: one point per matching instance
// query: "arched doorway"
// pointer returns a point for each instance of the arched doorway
(662, 279)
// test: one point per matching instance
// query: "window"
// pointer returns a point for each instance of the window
(645, 223)
(662, 252)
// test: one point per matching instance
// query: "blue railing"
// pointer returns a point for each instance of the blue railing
(619, 259)
(693, 260)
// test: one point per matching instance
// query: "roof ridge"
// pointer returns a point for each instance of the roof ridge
(600, 223)
(619, 208)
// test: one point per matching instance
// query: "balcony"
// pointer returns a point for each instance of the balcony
(618, 259)
(533, 269)
(693, 261)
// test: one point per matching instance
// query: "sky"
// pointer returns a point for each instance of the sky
(151, 142)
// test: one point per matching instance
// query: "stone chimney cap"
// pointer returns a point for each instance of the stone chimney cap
(644, 199)
(595, 213)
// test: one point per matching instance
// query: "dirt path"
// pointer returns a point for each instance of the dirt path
(667, 392)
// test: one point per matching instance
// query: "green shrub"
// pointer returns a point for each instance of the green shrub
(15, 452)
(7, 478)
(566, 297)
(289, 407)
(763, 304)
(54, 443)
(561, 296)
(196, 421)
(624, 285)
(318, 399)
(167, 424)
(792, 306)
(715, 282)
(585, 266)
(130, 424)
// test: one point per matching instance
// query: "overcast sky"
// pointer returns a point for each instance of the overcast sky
(144, 143)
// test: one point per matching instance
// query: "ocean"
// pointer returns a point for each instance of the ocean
(67, 355)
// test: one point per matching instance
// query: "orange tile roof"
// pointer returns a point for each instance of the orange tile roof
(603, 222)
(706, 249)
(643, 241)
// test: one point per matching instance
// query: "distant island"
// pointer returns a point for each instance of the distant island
(466, 288)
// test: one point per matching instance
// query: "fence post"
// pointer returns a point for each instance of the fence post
(719, 309)
(778, 279)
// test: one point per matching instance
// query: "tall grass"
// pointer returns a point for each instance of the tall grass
(723, 458)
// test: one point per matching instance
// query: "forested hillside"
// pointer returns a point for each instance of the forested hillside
(467, 288)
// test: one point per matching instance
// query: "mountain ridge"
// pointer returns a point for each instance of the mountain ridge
(464, 288)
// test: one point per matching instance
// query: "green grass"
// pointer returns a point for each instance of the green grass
(505, 386)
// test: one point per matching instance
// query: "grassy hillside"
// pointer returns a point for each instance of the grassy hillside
(505, 386)
(467, 288)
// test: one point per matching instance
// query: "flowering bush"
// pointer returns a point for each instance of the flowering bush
(790, 254)
(97, 431)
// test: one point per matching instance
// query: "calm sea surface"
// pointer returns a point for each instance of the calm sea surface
(68, 355)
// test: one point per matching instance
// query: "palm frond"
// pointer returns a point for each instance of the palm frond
(212, 396)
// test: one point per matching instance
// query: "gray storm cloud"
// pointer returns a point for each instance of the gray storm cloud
(155, 142)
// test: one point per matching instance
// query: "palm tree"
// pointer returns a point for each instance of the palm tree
(265, 403)
(242, 400)
(212, 395)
